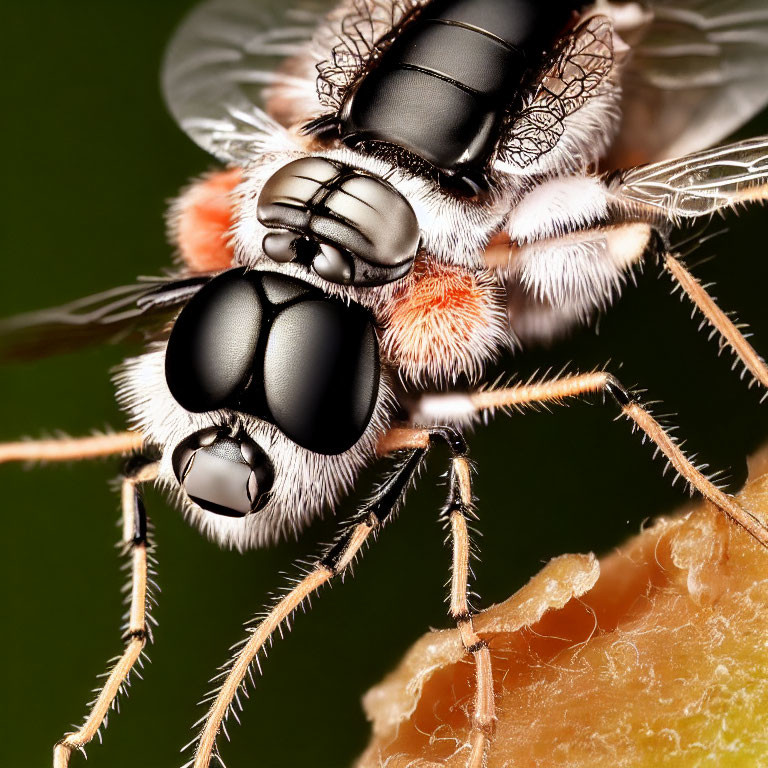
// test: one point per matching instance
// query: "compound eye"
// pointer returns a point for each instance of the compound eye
(321, 374)
(213, 343)
(333, 265)
(280, 245)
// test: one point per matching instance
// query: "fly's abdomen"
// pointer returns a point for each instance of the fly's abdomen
(441, 89)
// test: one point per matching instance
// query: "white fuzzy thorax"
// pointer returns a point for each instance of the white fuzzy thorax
(569, 257)
(558, 207)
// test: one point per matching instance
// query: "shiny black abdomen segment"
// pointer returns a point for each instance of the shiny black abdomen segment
(278, 349)
(441, 90)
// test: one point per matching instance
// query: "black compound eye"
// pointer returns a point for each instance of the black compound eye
(223, 474)
(213, 343)
(275, 348)
(321, 374)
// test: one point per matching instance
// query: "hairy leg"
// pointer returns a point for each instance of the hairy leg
(458, 510)
(136, 545)
(559, 390)
(414, 444)
(71, 448)
(333, 562)
(730, 335)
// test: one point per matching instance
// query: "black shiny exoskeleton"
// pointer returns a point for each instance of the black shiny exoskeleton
(348, 226)
(224, 471)
(278, 349)
(440, 91)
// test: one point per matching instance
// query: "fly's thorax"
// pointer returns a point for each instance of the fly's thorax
(566, 251)
(444, 108)
(290, 215)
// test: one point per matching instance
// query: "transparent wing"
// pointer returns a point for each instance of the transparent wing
(698, 70)
(699, 184)
(225, 60)
(579, 72)
(126, 312)
(357, 32)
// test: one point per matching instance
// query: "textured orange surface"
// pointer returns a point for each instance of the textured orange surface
(446, 320)
(656, 655)
(201, 220)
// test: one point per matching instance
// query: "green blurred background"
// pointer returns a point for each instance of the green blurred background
(90, 159)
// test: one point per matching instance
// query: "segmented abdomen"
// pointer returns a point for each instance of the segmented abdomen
(441, 89)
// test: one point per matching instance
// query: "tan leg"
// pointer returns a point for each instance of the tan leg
(460, 508)
(402, 438)
(386, 500)
(559, 390)
(730, 335)
(484, 711)
(137, 629)
(414, 443)
(71, 448)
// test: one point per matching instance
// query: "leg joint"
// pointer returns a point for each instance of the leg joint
(135, 634)
(477, 647)
(451, 437)
(332, 558)
(134, 466)
(618, 391)
(455, 505)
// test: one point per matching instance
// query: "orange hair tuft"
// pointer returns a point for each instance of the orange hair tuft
(201, 220)
(447, 323)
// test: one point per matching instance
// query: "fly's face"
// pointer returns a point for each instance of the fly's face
(265, 400)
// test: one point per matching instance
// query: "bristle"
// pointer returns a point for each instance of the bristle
(356, 31)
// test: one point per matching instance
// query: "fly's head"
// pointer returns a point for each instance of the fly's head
(266, 400)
